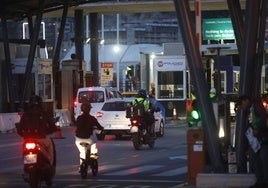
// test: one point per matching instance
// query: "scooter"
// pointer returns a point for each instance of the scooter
(37, 167)
(140, 134)
(91, 159)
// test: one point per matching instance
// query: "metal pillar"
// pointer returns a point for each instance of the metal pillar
(260, 50)
(94, 45)
(247, 63)
(57, 57)
(79, 41)
(33, 43)
(237, 20)
(8, 65)
(199, 82)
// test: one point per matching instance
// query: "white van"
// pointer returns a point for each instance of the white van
(96, 96)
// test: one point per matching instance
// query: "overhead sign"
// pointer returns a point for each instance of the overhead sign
(107, 70)
(218, 29)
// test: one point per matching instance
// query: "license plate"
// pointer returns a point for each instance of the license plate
(30, 159)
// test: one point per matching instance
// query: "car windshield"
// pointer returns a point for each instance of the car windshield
(91, 96)
(114, 106)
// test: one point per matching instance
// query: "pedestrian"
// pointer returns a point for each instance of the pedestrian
(257, 134)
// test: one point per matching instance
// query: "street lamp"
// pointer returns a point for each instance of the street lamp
(117, 50)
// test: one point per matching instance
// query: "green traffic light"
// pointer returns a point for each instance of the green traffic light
(195, 114)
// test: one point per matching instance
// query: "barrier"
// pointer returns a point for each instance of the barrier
(8, 120)
(65, 117)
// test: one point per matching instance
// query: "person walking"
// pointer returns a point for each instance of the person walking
(257, 134)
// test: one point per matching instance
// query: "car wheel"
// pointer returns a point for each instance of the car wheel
(160, 132)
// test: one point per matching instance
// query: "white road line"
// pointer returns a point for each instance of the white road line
(178, 157)
(174, 172)
(12, 144)
(134, 170)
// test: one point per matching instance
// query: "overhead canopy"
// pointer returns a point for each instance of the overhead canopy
(20, 9)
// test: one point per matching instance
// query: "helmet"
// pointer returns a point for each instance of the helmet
(142, 93)
(85, 107)
(35, 100)
(212, 90)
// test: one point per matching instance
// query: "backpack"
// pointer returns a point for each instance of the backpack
(138, 108)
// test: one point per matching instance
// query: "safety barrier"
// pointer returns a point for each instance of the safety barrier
(7, 121)
(64, 117)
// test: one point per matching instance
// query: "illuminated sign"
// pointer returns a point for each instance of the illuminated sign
(218, 29)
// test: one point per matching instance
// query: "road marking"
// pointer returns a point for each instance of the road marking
(12, 144)
(134, 170)
(178, 157)
(178, 171)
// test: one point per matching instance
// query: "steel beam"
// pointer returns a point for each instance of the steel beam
(199, 81)
(247, 64)
(79, 41)
(31, 55)
(237, 20)
(8, 65)
(94, 43)
(57, 57)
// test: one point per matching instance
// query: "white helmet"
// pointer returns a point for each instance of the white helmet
(212, 90)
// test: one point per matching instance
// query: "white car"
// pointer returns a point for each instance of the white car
(112, 117)
(96, 96)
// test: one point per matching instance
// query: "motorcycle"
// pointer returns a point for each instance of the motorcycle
(91, 159)
(140, 134)
(37, 167)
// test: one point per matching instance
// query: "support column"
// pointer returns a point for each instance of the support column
(79, 41)
(94, 47)
(199, 82)
(8, 65)
(56, 75)
(247, 64)
(33, 43)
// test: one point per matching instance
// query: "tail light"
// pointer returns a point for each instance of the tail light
(134, 122)
(265, 104)
(30, 145)
(99, 114)
(75, 103)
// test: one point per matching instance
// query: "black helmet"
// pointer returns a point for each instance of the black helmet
(85, 107)
(142, 93)
(35, 100)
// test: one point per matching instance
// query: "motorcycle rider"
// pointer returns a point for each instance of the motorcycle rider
(85, 124)
(149, 109)
(36, 124)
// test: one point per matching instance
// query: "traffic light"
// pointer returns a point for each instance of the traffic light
(195, 115)
(194, 118)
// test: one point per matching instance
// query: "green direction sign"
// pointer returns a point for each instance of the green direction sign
(218, 29)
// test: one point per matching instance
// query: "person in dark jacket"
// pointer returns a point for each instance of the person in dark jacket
(85, 124)
(258, 152)
(36, 124)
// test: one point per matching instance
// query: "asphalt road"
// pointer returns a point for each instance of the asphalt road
(120, 165)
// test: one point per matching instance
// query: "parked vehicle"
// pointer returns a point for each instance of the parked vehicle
(96, 96)
(113, 118)
(37, 166)
(91, 160)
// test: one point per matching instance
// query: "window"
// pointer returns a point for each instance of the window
(45, 86)
(170, 85)
(91, 96)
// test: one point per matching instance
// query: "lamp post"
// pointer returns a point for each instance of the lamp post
(117, 50)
